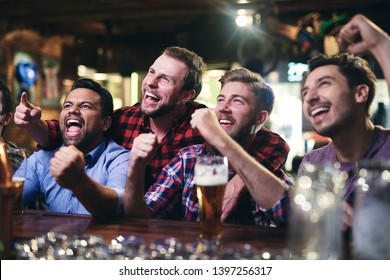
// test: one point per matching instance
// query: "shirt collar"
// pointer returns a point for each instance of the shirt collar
(145, 124)
(92, 157)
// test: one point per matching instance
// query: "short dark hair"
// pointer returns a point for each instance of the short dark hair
(106, 101)
(355, 69)
(7, 99)
(195, 64)
(264, 94)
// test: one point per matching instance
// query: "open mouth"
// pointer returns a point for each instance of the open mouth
(73, 127)
(226, 122)
(151, 97)
(319, 111)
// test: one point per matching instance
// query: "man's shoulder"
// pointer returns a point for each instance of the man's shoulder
(113, 156)
(192, 106)
(197, 105)
(128, 110)
(113, 147)
(265, 132)
(382, 133)
(322, 154)
(380, 147)
(42, 157)
(268, 137)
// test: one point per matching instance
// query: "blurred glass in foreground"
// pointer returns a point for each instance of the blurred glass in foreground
(371, 222)
(315, 217)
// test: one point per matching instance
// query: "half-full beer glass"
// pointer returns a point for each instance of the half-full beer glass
(211, 176)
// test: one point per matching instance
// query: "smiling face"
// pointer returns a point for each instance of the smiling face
(162, 86)
(81, 120)
(328, 102)
(237, 113)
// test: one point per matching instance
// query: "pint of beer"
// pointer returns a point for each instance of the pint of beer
(211, 176)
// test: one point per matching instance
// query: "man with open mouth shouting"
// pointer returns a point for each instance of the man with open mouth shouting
(87, 174)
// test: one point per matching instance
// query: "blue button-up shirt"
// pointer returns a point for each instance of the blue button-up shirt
(107, 164)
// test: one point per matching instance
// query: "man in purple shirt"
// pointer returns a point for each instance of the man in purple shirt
(337, 95)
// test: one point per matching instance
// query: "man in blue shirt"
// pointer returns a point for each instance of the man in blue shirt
(87, 175)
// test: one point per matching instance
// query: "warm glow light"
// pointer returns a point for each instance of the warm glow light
(243, 20)
(115, 78)
(81, 70)
(134, 88)
(84, 71)
(100, 76)
(244, 17)
(117, 102)
(215, 73)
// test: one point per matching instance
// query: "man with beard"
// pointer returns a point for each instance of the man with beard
(168, 92)
(337, 95)
(63, 177)
(243, 106)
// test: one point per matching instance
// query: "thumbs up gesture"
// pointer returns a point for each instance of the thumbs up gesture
(26, 113)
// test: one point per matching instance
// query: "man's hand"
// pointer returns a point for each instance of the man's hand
(67, 167)
(360, 35)
(234, 188)
(144, 148)
(26, 113)
(206, 121)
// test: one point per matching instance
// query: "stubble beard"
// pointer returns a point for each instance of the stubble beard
(161, 111)
(346, 120)
(83, 142)
(242, 135)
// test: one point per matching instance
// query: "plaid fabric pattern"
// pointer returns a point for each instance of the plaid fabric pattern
(271, 151)
(173, 196)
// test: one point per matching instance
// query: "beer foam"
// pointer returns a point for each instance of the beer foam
(207, 181)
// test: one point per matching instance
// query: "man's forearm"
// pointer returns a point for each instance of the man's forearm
(381, 54)
(98, 199)
(39, 131)
(133, 201)
(265, 187)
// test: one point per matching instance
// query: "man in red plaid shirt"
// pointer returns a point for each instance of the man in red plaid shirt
(168, 90)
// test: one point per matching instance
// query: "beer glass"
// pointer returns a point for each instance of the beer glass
(17, 160)
(211, 176)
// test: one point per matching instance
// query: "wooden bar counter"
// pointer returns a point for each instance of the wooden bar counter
(37, 223)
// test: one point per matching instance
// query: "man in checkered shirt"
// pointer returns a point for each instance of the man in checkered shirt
(243, 106)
